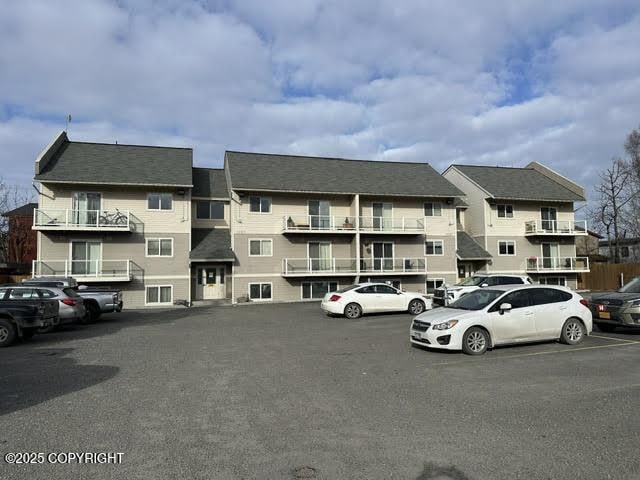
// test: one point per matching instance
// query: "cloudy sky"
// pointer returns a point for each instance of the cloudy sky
(439, 81)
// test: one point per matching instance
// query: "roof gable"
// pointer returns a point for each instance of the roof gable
(290, 173)
(209, 182)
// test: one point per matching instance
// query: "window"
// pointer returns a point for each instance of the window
(260, 248)
(210, 210)
(624, 251)
(23, 294)
(433, 209)
(160, 201)
(509, 281)
(3, 292)
(506, 247)
(433, 247)
(395, 284)
(517, 299)
(159, 247)
(159, 294)
(505, 211)
(553, 281)
(47, 294)
(318, 289)
(367, 289)
(543, 296)
(386, 289)
(433, 283)
(259, 204)
(260, 291)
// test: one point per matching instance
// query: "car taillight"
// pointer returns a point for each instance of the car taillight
(335, 298)
(69, 301)
(585, 302)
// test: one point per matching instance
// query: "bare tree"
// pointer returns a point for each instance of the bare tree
(11, 197)
(632, 149)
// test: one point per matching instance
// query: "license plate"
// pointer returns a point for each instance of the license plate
(606, 315)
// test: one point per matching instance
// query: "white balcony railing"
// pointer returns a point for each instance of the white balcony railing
(318, 223)
(392, 225)
(347, 266)
(84, 270)
(557, 264)
(67, 219)
(555, 227)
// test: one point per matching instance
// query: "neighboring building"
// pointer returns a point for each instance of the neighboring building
(519, 220)
(589, 246)
(21, 239)
(628, 248)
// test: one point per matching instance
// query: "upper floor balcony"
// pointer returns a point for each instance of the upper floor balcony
(557, 264)
(304, 267)
(85, 270)
(555, 227)
(395, 225)
(84, 220)
(318, 224)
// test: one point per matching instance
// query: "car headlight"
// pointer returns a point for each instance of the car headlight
(445, 325)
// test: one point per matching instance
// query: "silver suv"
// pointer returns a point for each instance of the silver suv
(447, 294)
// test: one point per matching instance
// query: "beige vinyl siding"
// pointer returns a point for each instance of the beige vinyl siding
(522, 212)
(525, 249)
(475, 197)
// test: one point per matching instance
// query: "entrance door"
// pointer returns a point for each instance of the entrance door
(86, 208)
(210, 284)
(382, 216)
(549, 216)
(550, 255)
(320, 256)
(320, 214)
(383, 256)
(85, 258)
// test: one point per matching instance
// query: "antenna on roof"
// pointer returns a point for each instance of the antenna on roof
(68, 121)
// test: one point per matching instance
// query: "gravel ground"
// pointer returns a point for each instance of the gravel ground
(282, 391)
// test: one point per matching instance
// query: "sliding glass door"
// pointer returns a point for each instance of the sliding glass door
(320, 256)
(320, 214)
(85, 257)
(86, 208)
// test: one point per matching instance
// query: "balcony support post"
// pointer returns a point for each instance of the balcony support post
(356, 202)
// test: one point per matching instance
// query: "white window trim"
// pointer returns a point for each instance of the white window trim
(160, 209)
(153, 304)
(515, 248)
(434, 279)
(261, 197)
(513, 211)
(259, 299)
(434, 254)
(424, 209)
(260, 240)
(564, 279)
(310, 282)
(159, 239)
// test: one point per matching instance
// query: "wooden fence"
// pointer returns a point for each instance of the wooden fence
(607, 276)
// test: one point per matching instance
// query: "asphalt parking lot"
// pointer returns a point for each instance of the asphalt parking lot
(275, 391)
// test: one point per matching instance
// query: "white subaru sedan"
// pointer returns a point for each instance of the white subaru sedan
(502, 315)
(355, 300)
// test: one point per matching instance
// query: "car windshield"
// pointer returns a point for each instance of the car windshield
(476, 300)
(471, 281)
(632, 287)
(346, 289)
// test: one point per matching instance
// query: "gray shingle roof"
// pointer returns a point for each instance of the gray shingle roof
(209, 182)
(469, 249)
(257, 171)
(211, 244)
(518, 183)
(25, 210)
(119, 165)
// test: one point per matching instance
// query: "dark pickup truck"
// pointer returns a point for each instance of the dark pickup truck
(22, 318)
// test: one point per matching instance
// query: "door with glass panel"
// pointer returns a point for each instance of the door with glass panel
(320, 214)
(550, 254)
(320, 256)
(86, 258)
(383, 256)
(86, 208)
(382, 216)
(549, 216)
(210, 283)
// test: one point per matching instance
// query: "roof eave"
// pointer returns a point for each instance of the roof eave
(78, 182)
(243, 189)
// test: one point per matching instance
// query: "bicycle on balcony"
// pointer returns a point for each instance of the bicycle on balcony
(116, 218)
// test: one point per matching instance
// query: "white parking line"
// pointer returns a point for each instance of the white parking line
(614, 338)
(547, 352)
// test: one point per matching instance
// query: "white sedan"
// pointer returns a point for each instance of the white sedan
(502, 315)
(355, 300)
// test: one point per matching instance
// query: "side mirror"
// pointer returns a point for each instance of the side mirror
(484, 285)
(505, 307)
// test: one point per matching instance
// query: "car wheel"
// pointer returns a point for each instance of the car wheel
(416, 307)
(475, 341)
(93, 312)
(605, 327)
(7, 333)
(572, 332)
(353, 310)
(28, 333)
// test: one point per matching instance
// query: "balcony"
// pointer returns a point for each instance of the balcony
(85, 270)
(83, 220)
(305, 267)
(557, 264)
(555, 227)
(318, 224)
(401, 225)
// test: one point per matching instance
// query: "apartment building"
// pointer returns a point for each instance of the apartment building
(519, 220)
